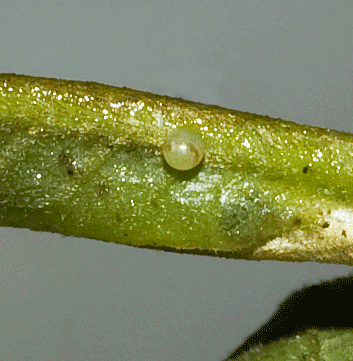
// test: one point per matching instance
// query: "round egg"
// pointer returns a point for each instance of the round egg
(183, 149)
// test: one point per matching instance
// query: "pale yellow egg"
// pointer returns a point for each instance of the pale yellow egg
(183, 149)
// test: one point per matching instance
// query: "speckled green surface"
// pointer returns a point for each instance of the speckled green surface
(85, 159)
(312, 345)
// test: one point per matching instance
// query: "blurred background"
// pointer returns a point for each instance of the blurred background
(65, 298)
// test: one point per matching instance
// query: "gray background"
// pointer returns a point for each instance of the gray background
(64, 298)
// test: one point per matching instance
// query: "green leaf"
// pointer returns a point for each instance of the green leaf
(85, 159)
(315, 345)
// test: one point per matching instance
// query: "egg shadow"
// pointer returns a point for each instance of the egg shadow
(183, 175)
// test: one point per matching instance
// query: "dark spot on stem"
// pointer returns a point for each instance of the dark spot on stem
(70, 164)
(326, 225)
(305, 169)
(297, 221)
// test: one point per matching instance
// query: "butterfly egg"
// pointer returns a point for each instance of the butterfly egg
(183, 149)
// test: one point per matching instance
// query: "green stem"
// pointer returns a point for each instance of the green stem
(85, 159)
